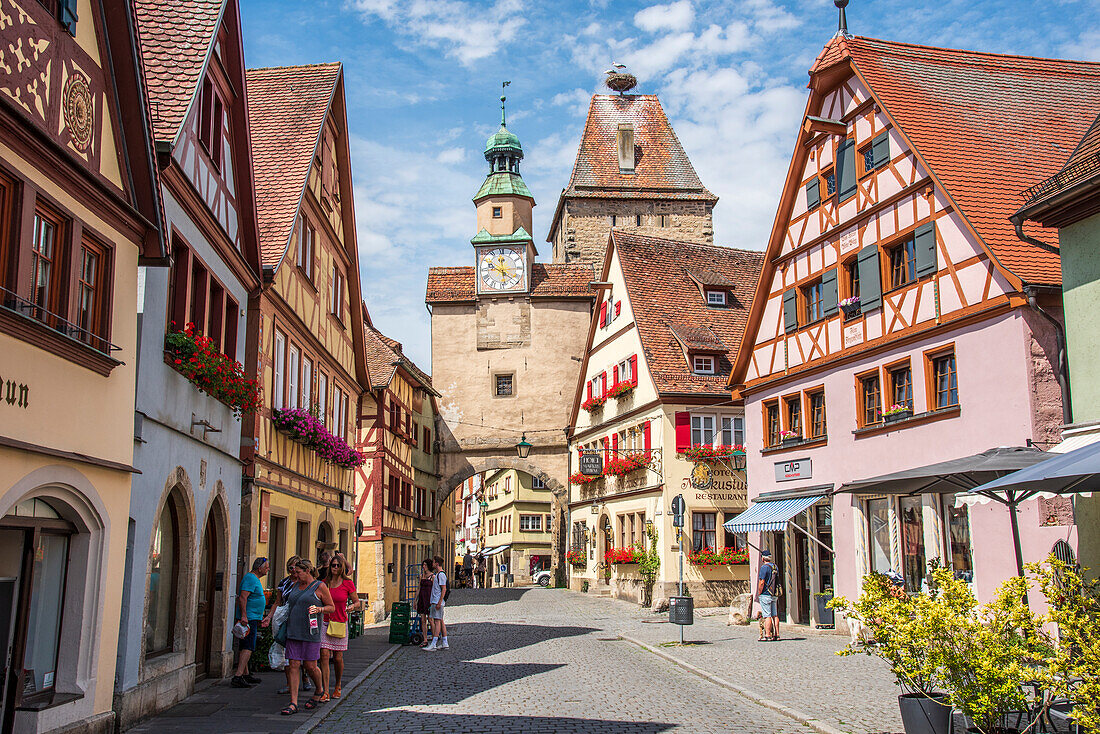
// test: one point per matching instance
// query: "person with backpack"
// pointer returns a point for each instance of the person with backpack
(769, 587)
(438, 601)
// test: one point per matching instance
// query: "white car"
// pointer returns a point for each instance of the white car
(542, 578)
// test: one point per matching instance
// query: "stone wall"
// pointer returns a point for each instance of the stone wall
(581, 235)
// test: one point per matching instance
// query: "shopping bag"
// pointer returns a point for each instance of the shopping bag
(276, 656)
(240, 630)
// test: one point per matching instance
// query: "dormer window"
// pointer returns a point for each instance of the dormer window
(625, 140)
(716, 298)
(497, 212)
(703, 364)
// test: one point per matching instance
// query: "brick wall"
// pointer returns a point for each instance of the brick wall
(581, 236)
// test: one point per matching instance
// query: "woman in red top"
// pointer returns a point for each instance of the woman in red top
(342, 590)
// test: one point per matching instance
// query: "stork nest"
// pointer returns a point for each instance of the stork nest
(621, 82)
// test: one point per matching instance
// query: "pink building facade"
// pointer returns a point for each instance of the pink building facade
(899, 321)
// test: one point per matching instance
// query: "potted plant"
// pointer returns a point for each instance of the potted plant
(902, 636)
(301, 426)
(726, 557)
(649, 564)
(620, 390)
(576, 558)
(621, 556)
(789, 438)
(706, 452)
(582, 479)
(619, 465)
(194, 356)
(897, 412)
(850, 307)
(594, 403)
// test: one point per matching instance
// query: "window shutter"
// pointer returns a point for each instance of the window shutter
(683, 431)
(813, 194)
(790, 310)
(880, 148)
(603, 384)
(614, 444)
(603, 314)
(870, 278)
(590, 389)
(634, 369)
(925, 241)
(615, 373)
(618, 307)
(846, 170)
(829, 295)
(66, 13)
(646, 440)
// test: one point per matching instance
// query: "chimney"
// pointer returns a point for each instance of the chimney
(625, 139)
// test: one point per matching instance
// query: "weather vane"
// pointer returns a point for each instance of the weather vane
(502, 99)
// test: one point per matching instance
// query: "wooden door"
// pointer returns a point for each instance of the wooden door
(206, 612)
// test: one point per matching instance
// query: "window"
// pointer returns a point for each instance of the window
(901, 386)
(733, 431)
(945, 383)
(702, 430)
(878, 533)
(339, 412)
(771, 423)
(276, 545)
(306, 237)
(292, 376)
(912, 542)
(870, 399)
(663, 220)
(199, 298)
(813, 307)
(163, 578)
(793, 407)
(530, 523)
(829, 177)
(322, 398)
(92, 294)
(504, 385)
(303, 543)
(903, 263)
(497, 214)
(46, 265)
(427, 448)
(703, 364)
(851, 278)
(508, 484)
(638, 220)
(51, 559)
(614, 220)
(958, 538)
(730, 540)
(279, 368)
(307, 383)
(336, 293)
(867, 156)
(626, 371)
(817, 414)
(211, 113)
(537, 483)
(703, 530)
(716, 298)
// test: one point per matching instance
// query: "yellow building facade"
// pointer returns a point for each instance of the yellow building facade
(519, 516)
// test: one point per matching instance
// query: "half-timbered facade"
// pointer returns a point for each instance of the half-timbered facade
(899, 320)
(396, 487)
(79, 208)
(185, 507)
(308, 333)
(653, 385)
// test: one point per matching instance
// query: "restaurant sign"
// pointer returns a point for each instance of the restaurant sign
(591, 463)
(786, 471)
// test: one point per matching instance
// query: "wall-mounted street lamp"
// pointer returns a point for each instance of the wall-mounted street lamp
(523, 448)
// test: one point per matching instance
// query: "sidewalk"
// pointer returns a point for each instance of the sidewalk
(220, 708)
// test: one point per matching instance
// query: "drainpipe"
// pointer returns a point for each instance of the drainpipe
(1063, 366)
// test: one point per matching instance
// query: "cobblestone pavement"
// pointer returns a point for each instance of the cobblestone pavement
(543, 660)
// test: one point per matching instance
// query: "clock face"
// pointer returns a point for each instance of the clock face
(500, 269)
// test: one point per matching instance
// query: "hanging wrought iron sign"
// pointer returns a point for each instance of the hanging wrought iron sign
(702, 476)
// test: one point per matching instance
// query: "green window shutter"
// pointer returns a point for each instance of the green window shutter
(870, 278)
(846, 169)
(813, 194)
(66, 13)
(925, 241)
(829, 296)
(790, 310)
(880, 147)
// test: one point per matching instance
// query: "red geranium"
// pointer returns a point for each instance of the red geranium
(211, 371)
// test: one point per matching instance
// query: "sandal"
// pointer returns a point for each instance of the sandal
(323, 698)
(291, 709)
(336, 692)
(312, 703)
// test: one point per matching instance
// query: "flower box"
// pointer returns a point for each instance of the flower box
(705, 452)
(302, 427)
(724, 557)
(617, 466)
(622, 556)
(896, 413)
(578, 478)
(621, 390)
(850, 307)
(789, 438)
(193, 356)
(594, 403)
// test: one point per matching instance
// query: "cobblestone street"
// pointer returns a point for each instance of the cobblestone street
(546, 660)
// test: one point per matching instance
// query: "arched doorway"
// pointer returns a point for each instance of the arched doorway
(324, 537)
(606, 543)
(211, 595)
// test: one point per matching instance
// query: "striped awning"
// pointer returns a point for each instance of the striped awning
(771, 515)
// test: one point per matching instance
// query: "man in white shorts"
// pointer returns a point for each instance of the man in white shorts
(438, 601)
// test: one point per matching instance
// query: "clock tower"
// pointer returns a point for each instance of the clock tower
(503, 245)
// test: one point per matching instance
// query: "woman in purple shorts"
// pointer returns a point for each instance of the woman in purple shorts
(309, 599)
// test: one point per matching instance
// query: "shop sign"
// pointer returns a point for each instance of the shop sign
(591, 463)
(724, 488)
(786, 471)
(853, 334)
(849, 240)
(15, 394)
(265, 517)
(702, 477)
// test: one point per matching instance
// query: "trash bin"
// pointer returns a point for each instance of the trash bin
(681, 610)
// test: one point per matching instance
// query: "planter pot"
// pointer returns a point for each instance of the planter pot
(791, 441)
(850, 312)
(921, 714)
(894, 418)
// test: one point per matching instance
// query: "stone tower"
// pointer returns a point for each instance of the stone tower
(631, 173)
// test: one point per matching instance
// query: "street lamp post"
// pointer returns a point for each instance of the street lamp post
(523, 448)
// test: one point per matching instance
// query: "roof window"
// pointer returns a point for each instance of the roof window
(716, 298)
(625, 140)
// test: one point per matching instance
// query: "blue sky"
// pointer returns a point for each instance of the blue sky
(423, 80)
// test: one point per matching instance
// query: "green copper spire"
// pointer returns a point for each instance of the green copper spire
(503, 153)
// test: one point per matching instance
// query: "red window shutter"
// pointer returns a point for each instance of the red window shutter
(683, 431)
(615, 444)
(615, 374)
(618, 307)
(603, 314)
(647, 441)
(590, 389)
(603, 385)
(634, 369)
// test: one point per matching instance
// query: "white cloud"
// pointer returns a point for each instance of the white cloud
(1086, 47)
(451, 156)
(768, 17)
(676, 16)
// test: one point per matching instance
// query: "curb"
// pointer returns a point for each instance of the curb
(318, 716)
(799, 716)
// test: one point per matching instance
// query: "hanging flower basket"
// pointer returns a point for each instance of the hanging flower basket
(576, 558)
(617, 466)
(724, 557)
(302, 427)
(194, 356)
(621, 390)
(594, 403)
(710, 454)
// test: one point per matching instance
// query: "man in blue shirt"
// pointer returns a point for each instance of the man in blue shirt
(251, 604)
(767, 593)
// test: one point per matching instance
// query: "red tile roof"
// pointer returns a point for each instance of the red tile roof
(1083, 163)
(175, 38)
(835, 50)
(987, 126)
(384, 356)
(661, 165)
(287, 107)
(560, 280)
(671, 311)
